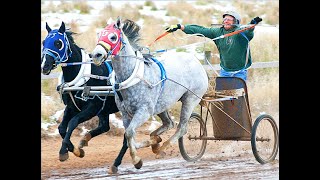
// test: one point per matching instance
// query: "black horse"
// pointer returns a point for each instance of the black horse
(59, 46)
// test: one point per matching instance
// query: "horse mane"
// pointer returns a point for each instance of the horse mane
(131, 30)
(70, 34)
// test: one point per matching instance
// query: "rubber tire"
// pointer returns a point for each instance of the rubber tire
(182, 147)
(259, 158)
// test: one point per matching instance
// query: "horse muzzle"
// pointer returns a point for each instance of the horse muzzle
(99, 55)
(47, 64)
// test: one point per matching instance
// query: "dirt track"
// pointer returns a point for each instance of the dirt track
(177, 168)
(222, 160)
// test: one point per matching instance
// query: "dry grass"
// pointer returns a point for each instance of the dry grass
(49, 106)
(189, 14)
(87, 40)
(44, 33)
(268, 10)
(48, 87)
(263, 90)
(74, 26)
(49, 8)
(67, 6)
(127, 11)
(83, 6)
(265, 45)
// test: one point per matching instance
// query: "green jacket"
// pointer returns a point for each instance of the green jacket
(232, 49)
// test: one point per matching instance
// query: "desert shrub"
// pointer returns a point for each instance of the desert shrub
(82, 6)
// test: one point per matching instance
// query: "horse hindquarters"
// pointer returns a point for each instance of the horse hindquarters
(195, 84)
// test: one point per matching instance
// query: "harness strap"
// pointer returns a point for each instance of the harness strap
(115, 89)
(133, 79)
(74, 102)
(108, 67)
(162, 70)
(85, 68)
(248, 48)
(104, 103)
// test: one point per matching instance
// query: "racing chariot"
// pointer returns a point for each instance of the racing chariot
(229, 110)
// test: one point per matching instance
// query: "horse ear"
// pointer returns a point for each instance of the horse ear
(118, 23)
(62, 28)
(47, 27)
(110, 20)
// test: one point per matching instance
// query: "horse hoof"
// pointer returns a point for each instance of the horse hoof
(82, 143)
(78, 152)
(156, 138)
(160, 155)
(155, 148)
(63, 157)
(113, 170)
(138, 165)
(81, 153)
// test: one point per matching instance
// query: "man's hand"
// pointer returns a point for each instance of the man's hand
(256, 20)
(173, 28)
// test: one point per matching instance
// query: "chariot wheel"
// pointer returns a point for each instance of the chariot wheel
(190, 148)
(265, 139)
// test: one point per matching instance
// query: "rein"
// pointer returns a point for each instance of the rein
(234, 33)
(159, 37)
(197, 34)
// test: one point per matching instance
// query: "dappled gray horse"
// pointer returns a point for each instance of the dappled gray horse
(149, 86)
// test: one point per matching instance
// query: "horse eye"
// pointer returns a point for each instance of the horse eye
(113, 37)
(59, 44)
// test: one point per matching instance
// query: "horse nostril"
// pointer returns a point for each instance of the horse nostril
(97, 55)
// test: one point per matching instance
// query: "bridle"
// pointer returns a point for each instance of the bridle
(59, 54)
(110, 38)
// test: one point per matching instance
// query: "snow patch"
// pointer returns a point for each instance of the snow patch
(116, 121)
(57, 115)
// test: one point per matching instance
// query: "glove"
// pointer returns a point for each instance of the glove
(173, 28)
(256, 20)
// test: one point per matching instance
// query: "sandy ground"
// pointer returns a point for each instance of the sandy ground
(101, 152)
(222, 160)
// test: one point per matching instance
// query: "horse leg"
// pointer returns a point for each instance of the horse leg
(114, 168)
(109, 108)
(140, 117)
(82, 116)
(67, 115)
(167, 124)
(188, 104)
(155, 139)
(102, 127)
(66, 143)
